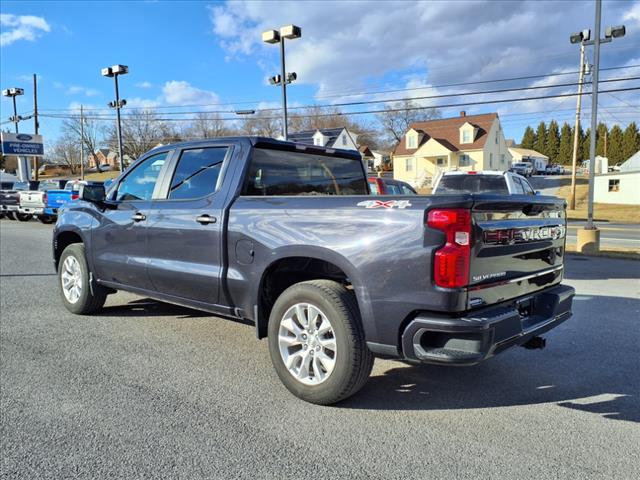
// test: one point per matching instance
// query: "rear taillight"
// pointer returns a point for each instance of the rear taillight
(44, 198)
(451, 263)
(75, 196)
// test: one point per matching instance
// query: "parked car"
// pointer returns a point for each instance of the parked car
(10, 202)
(525, 169)
(57, 198)
(486, 181)
(104, 167)
(34, 202)
(289, 238)
(388, 186)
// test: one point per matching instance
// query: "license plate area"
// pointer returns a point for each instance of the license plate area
(525, 307)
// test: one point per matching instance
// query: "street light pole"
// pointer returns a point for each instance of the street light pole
(589, 237)
(119, 124)
(285, 126)
(114, 72)
(15, 113)
(576, 133)
(274, 36)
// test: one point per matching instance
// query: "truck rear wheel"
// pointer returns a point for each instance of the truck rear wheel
(24, 217)
(77, 294)
(316, 342)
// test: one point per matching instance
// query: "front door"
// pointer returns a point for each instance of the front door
(120, 240)
(184, 227)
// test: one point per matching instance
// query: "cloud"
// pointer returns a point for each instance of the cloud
(21, 27)
(144, 84)
(372, 44)
(180, 92)
(76, 89)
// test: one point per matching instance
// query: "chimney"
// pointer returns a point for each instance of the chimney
(463, 113)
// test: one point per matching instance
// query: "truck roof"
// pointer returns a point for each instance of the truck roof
(266, 142)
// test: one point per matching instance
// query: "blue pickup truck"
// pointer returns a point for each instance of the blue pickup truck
(289, 238)
(58, 198)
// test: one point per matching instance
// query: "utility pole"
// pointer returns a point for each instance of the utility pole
(81, 143)
(36, 126)
(576, 133)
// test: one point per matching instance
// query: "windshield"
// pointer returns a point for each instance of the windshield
(520, 164)
(44, 186)
(473, 184)
(21, 186)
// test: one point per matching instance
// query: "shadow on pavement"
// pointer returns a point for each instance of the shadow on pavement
(591, 364)
(578, 267)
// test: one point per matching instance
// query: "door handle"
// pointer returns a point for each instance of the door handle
(138, 217)
(205, 219)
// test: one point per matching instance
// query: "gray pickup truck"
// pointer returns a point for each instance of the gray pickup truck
(288, 237)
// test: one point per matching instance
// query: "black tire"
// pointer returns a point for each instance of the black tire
(11, 215)
(353, 361)
(46, 219)
(91, 298)
(24, 217)
(2, 214)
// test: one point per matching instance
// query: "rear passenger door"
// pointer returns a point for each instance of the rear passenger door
(185, 227)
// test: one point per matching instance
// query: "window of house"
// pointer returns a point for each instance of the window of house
(463, 160)
(197, 173)
(466, 136)
(614, 185)
(408, 164)
(317, 141)
(496, 138)
(490, 160)
(344, 140)
(502, 157)
(412, 141)
(440, 161)
(140, 182)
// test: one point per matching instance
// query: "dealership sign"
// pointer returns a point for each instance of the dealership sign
(22, 144)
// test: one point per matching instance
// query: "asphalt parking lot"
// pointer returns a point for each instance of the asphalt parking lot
(149, 390)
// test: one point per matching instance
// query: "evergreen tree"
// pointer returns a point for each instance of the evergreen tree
(541, 137)
(581, 136)
(528, 139)
(630, 141)
(602, 137)
(614, 147)
(552, 142)
(586, 145)
(565, 151)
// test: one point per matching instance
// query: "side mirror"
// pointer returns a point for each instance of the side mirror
(92, 193)
(538, 192)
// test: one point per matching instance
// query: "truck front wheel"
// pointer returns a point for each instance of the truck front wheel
(24, 217)
(77, 294)
(316, 342)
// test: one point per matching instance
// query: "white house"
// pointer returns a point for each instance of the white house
(327, 137)
(538, 160)
(619, 187)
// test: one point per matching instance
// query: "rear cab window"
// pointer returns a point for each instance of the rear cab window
(451, 184)
(197, 173)
(277, 172)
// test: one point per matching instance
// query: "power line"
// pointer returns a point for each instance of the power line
(480, 82)
(396, 100)
(368, 112)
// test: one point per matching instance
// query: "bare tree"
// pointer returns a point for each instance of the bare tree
(142, 130)
(208, 125)
(396, 118)
(92, 138)
(264, 124)
(66, 151)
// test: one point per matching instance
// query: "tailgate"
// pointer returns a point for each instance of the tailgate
(31, 199)
(518, 247)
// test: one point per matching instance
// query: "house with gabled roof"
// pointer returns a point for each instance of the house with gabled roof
(466, 142)
(327, 137)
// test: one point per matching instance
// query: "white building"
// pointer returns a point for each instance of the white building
(621, 187)
(538, 160)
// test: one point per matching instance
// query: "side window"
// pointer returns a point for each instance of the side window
(393, 189)
(373, 186)
(518, 190)
(197, 173)
(407, 190)
(140, 182)
(528, 189)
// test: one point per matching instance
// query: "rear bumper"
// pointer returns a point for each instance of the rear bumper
(481, 334)
(32, 210)
(50, 211)
(9, 208)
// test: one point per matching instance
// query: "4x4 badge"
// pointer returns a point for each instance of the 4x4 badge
(389, 204)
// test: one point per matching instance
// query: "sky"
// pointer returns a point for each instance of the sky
(210, 54)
